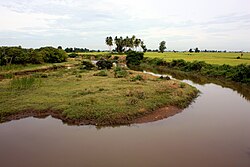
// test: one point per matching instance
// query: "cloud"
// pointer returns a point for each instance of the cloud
(86, 23)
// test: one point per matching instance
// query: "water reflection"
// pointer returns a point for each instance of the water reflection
(242, 89)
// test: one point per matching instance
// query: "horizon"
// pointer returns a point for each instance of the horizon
(211, 25)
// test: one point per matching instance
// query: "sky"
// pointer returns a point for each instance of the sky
(206, 24)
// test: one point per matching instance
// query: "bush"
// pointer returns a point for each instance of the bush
(134, 58)
(102, 73)
(240, 73)
(104, 64)
(73, 55)
(120, 73)
(137, 78)
(53, 55)
(178, 63)
(87, 65)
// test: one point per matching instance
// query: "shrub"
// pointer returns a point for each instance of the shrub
(134, 58)
(8, 76)
(239, 73)
(101, 73)
(87, 65)
(182, 85)
(73, 55)
(137, 78)
(120, 73)
(157, 62)
(194, 66)
(53, 55)
(104, 64)
(178, 63)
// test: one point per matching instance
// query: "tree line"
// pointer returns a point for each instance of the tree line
(19, 55)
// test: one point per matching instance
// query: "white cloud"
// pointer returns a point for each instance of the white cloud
(86, 22)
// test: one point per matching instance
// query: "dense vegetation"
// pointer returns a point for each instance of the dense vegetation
(239, 73)
(19, 55)
(134, 58)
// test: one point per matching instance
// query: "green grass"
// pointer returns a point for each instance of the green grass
(14, 68)
(92, 53)
(23, 83)
(210, 58)
(104, 100)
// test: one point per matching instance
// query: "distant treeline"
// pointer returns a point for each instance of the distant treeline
(239, 73)
(19, 55)
(80, 50)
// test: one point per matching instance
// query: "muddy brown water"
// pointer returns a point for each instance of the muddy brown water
(212, 132)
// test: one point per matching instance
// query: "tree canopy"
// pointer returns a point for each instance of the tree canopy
(19, 55)
(125, 44)
(162, 46)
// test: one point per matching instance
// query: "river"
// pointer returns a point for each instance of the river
(214, 131)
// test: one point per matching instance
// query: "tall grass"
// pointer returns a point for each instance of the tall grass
(11, 67)
(25, 83)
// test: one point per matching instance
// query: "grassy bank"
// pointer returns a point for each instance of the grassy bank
(89, 97)
(239, 73)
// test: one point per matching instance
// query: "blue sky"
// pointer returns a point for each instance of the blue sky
(207, 24)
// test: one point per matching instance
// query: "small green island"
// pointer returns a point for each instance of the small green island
(81, 93)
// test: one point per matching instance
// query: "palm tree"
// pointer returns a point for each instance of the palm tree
(132, 42)
(109, 42)
(127, 43)
(137, 43)
(144, 47)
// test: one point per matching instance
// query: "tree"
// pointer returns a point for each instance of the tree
(120, 44)
(137, 43)
(125, 44)
(143, 46)
(191, 50)
(132, 42)
(59, 47)
(196, 50)
(109, 42)
(162, 46)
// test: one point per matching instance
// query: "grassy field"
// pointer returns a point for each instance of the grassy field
(79, 95)
(210, 58)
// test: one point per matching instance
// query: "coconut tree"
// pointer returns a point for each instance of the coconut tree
(132, 42)
(109, 42)
(143, 46)
(137, 43)
(127, 43)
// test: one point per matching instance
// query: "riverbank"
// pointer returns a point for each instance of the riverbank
(239, 73)
(82, 97)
